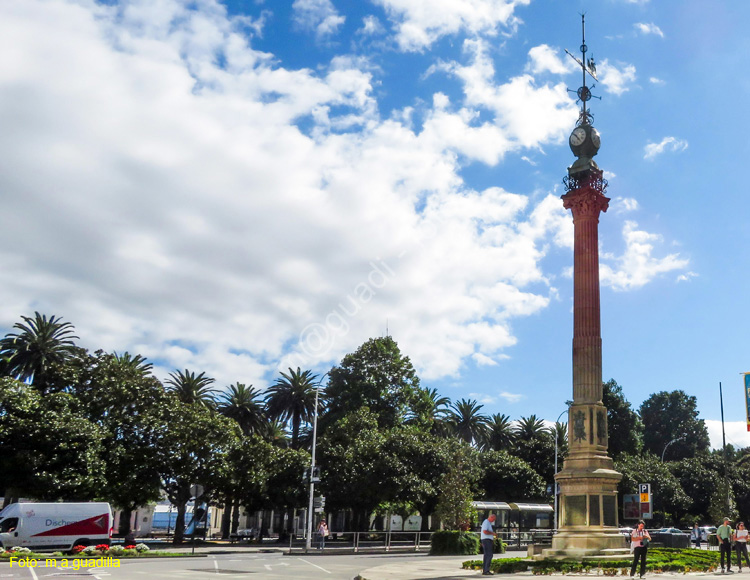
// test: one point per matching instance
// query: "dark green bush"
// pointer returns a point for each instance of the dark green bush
(658, 560)
(449, 542)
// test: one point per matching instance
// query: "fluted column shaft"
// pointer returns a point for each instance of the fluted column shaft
(586, 203)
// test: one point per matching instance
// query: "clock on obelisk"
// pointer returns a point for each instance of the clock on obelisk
(587, 481)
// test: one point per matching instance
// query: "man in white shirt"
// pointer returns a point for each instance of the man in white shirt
(488, 543)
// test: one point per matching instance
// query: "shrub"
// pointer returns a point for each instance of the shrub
(499, 546)
(20, 550)
(450, 542)
(78, 549)
(102, 547)
(142, 548)
(88, 550)
(116, 551)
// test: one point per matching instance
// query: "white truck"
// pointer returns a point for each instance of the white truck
(55, 526)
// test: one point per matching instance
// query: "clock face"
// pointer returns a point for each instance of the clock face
(595, 138)
(577, 137)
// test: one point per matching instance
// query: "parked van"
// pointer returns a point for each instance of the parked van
(55, 526)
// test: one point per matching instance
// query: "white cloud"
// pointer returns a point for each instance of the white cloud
(671, 144)
(687, 276)
(624, 204)
(543, 58)
(371, 26)
(483, 360)
(526, 114)
(510, 397)
(656, 81)
(187, 217)
(419, 23)
(615, 78)
(319, 16)
(736, 433)
(637, 266)
(648, 28)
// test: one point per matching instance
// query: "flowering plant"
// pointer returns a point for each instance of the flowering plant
(142, 548)
(88, 550)
(102, 547)
(130, 547)
(78, 549)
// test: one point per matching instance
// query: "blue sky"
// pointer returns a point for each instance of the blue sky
(238, 187)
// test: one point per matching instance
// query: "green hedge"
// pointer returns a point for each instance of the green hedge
(449, 542)
(658, 560)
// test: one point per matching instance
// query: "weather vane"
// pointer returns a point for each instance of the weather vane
(583, 92)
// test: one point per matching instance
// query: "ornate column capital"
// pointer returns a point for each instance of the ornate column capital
(585, 197)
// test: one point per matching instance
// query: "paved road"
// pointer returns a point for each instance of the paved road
(249, 566)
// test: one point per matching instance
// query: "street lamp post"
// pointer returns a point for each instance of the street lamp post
(308, 539)
(554, 484)
(680, 438)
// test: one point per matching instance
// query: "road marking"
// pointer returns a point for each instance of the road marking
(311, 564)
(216, 565)
(267, 567)
(33, 574)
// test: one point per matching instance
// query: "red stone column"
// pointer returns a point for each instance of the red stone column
(586, 203)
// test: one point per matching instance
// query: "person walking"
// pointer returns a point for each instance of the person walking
(740, 544)
(322, 534)
(639, 540)
(696, 536)
(488, 543)
(724, 534)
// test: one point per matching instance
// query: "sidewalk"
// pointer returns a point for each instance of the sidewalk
(437, 568)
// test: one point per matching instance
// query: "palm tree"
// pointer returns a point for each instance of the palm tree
(242, 403)
(275, 434)
(191, 388)
(500, 434)
(440, 411)
(292, 398)
(467, 422)
(41, 343)
(136, 364)
(530, 428)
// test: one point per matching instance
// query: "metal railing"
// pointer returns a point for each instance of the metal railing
(371, 541)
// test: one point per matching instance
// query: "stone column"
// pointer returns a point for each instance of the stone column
(588, 481)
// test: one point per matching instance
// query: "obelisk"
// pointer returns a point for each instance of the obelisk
(588, 481)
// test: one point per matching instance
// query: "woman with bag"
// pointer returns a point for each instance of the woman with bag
(740, 544)
(639, 540)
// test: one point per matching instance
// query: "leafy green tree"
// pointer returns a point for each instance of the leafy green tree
(350, 455)
(119, 394)
(500, 435)
(284, 485)
(699, 479)
(455, 507)
(673, 417)
(509, 478)
(669, 497)
(193, 450)
(40, 343)
(376, 376)
(48, 449)
(245, 479)
(242, 403)
(292, 399)
(624, 424)
(535, 444)
(468, 423)
(191, 388)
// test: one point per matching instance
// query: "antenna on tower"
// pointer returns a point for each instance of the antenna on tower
(587, 67)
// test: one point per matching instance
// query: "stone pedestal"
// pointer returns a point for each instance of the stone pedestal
(588, 481)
